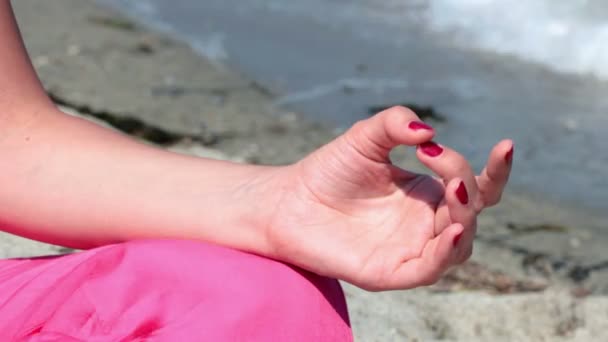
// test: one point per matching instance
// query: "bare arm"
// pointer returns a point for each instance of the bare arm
(344, 211)
(70, 182)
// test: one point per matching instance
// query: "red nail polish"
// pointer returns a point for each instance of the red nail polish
(418, 125)
(457, 238)
(509, 156)
(431, 149)
(461, 193)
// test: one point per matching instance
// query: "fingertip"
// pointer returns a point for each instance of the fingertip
(451, 240)
(398, 110)
(457, 192)
(420, 132)
(501, 159)
(397, 116)
(456, 228)
(452, 234)
(462, 193)
(405, 127)
(417, 126)
(505, 148)
(507, 142)
(509, 154)
(429, 149)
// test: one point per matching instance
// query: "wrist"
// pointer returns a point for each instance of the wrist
(257, 197)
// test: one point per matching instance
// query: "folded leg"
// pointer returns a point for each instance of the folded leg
(167, 290)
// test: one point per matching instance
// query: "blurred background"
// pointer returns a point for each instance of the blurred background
(535, 71)
(268, 81)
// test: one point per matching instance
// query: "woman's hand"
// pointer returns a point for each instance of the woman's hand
(346, 212)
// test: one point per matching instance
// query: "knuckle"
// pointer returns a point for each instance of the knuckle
(497, 175)
(359, 126)
(358, 134)
(463, 167)
(399, 112)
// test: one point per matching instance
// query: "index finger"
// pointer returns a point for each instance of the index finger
(448, 164)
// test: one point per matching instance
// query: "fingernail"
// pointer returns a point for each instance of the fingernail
(461, 193)
(457, 238)
(509, 156)
(431, 149)
(418, 125)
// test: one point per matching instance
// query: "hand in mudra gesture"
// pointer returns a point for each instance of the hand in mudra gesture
(347, 212)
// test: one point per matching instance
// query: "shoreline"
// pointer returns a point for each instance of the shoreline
(111, 68)
(345, 72)
(283, 115)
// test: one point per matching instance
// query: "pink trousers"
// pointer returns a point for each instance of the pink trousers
(167, 290)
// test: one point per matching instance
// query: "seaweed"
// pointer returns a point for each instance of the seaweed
(114, 23)
(136, 127)
(475, 276)
(519, 228)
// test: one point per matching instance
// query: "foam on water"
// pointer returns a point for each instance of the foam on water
(567, 36)
(570, 36)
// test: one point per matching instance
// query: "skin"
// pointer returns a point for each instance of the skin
(344, 211)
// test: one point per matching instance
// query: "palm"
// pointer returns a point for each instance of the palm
(348, 211)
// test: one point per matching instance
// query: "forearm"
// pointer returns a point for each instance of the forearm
(72, 183)
(69, 182)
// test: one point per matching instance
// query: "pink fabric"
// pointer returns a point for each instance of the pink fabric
(166, 290)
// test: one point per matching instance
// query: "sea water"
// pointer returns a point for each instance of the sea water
(535, 71)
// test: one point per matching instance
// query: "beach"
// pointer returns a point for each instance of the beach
(539, 270)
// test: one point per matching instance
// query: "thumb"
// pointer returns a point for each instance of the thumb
(374, 138)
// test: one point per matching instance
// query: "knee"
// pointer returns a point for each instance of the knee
(261, 290)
